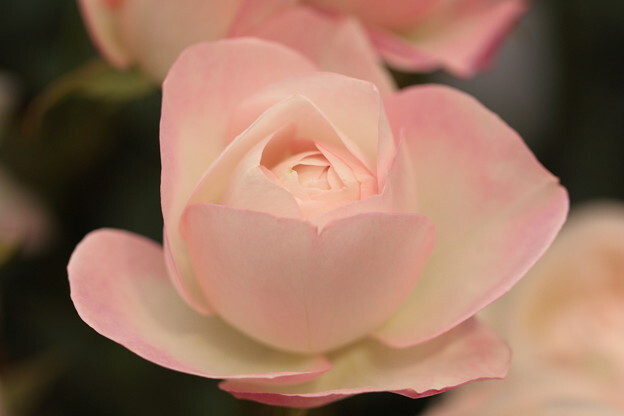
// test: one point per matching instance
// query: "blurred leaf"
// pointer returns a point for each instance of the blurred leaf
(93, 80)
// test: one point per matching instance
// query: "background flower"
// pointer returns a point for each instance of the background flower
(564, 323)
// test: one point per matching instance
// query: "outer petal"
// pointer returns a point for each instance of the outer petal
(469, 352)
(335, 43)
(495, 208)
(203, 87)
(294, 287)
(102, 20)
(156, 31)
(120, 288)
(462, 39)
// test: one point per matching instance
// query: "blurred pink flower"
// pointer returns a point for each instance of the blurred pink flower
(299, 212)
(152, 33)
(564, 322)
(460, 36)
(23, 220)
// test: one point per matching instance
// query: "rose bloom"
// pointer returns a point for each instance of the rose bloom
(300, 213)
(564, 322)
(344, 36)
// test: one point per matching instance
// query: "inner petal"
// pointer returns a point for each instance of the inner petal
(321, 179)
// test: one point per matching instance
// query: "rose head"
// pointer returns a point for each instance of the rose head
(300, 215)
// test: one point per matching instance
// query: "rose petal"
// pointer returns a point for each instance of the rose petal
(102, 20)
(467, 353)
(157, 31)
(335, 43)
(198, 95)
(119, 287)
(388, 14)
(353, 106)
(495, 208)
(461, 40)
(284, 282)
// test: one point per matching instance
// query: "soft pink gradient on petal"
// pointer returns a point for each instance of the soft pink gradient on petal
(462, 38)
(495, 208)
(263, 275)
(201, 90)
(102, 21)
(335, 43)
(395, 15)
(119, 286)
(252, 14)
(467, 353)
(353, 106)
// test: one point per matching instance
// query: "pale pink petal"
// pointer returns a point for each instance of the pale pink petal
(119, 287)
(292, 286)
(462, 39)
(157, 31)
(495, 208)
(293, 118)
(335, 43)
(395, 15)
(467, 353)
(102, 20)
(252, 14)
(353, 106)
(203, 87)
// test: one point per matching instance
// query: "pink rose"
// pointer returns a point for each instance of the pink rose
(460, 36)
(564, 322)
(152, 33)
(299, 213)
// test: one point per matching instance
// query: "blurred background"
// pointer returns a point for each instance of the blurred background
(82, 140)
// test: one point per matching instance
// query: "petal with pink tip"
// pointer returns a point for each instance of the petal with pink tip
(335, 43)
(495, 208)
(462, 39)
(202, 88)
(119, 287)
(294, 287)
(468, 353)
(102, 20)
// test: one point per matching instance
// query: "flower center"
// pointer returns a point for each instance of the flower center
(322, 178)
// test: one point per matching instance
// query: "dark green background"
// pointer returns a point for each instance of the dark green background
(95, 163)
